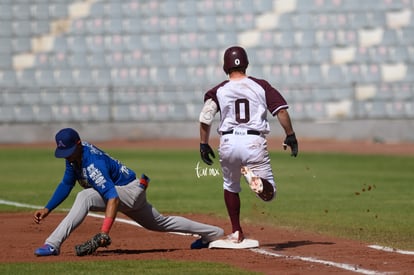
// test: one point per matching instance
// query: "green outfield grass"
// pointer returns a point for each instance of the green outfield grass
(160, 267)
(367, 198)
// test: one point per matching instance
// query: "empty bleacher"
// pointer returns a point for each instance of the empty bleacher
(133, 60)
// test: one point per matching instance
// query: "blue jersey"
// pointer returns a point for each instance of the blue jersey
(98, 170)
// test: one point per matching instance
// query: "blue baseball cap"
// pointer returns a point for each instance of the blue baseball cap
(66, 141)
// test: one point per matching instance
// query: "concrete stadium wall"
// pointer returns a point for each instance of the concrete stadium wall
(371, 130)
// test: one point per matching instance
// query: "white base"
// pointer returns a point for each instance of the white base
(246, 243)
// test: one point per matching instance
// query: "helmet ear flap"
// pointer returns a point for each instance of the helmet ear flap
(235, 58)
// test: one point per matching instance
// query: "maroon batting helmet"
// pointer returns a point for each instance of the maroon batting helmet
(235, 58)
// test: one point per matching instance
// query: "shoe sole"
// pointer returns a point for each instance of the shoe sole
(254, 182)
(44, 255)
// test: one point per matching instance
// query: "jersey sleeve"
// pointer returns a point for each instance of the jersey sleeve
(212, 94)
(63, 189)
(274, 99)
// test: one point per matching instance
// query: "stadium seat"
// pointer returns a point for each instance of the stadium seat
(7, 113)
(26, 78)
(5, 61)
(133, 26)
(6, 12)
(29, 96)
(113, 9)
(335, 74)
(21, 28)
(24, 113)
(11, 97)
(96, 60)
(121, 112)
(131, 9)
(45, 78)
(5, 45)
(82, 77)
(121, 77)
(62, 113)
(49, 96)
(59, 60)
(168, 8)
(63, 77)
(8, 78)
(21, 11)
(186, 7)
(39, 27)
(39, 11)
(77, 44)
(58, 10)
(100, 112)
(78, 27)
(93, 44)
(77, 60)
(43, 113)
(68, 95)
(21, 44)
(395, 109)
(82, 113)
(398, 54)
(371, 73)
(113, 25)
(313, 75)
(6, 29)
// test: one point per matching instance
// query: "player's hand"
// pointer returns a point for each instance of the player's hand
(206, 152)
(40, 214)
(291, 141)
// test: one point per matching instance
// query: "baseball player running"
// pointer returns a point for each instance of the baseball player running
(109, 187)
(243, 102)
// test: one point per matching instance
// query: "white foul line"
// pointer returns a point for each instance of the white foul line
(256, 250)
(314, 260)
(389, 249)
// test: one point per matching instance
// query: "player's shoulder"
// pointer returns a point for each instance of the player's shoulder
(221, 84)
(212, 93)
(260, 81)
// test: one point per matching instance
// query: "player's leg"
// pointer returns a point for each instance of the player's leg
(230, 162)
(135, 205)
(85, 200)
(256, 158)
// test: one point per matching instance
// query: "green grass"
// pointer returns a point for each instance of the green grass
(122, 267)
(367, 198)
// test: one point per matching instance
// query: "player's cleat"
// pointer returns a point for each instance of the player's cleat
(46, 250)
(236, 237)
(199, 244)
(255, 183)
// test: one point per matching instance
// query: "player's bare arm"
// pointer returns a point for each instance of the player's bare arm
(204, 133)
(285, 122)
(110, 214)
(290, 140)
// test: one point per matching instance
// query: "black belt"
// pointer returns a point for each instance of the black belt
(249, 132)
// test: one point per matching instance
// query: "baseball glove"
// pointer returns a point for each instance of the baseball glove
(90, 246)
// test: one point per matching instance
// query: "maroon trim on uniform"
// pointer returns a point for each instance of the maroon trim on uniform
(274, 100)
(212, 93)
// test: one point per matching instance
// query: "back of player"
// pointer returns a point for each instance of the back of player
(243, 102)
